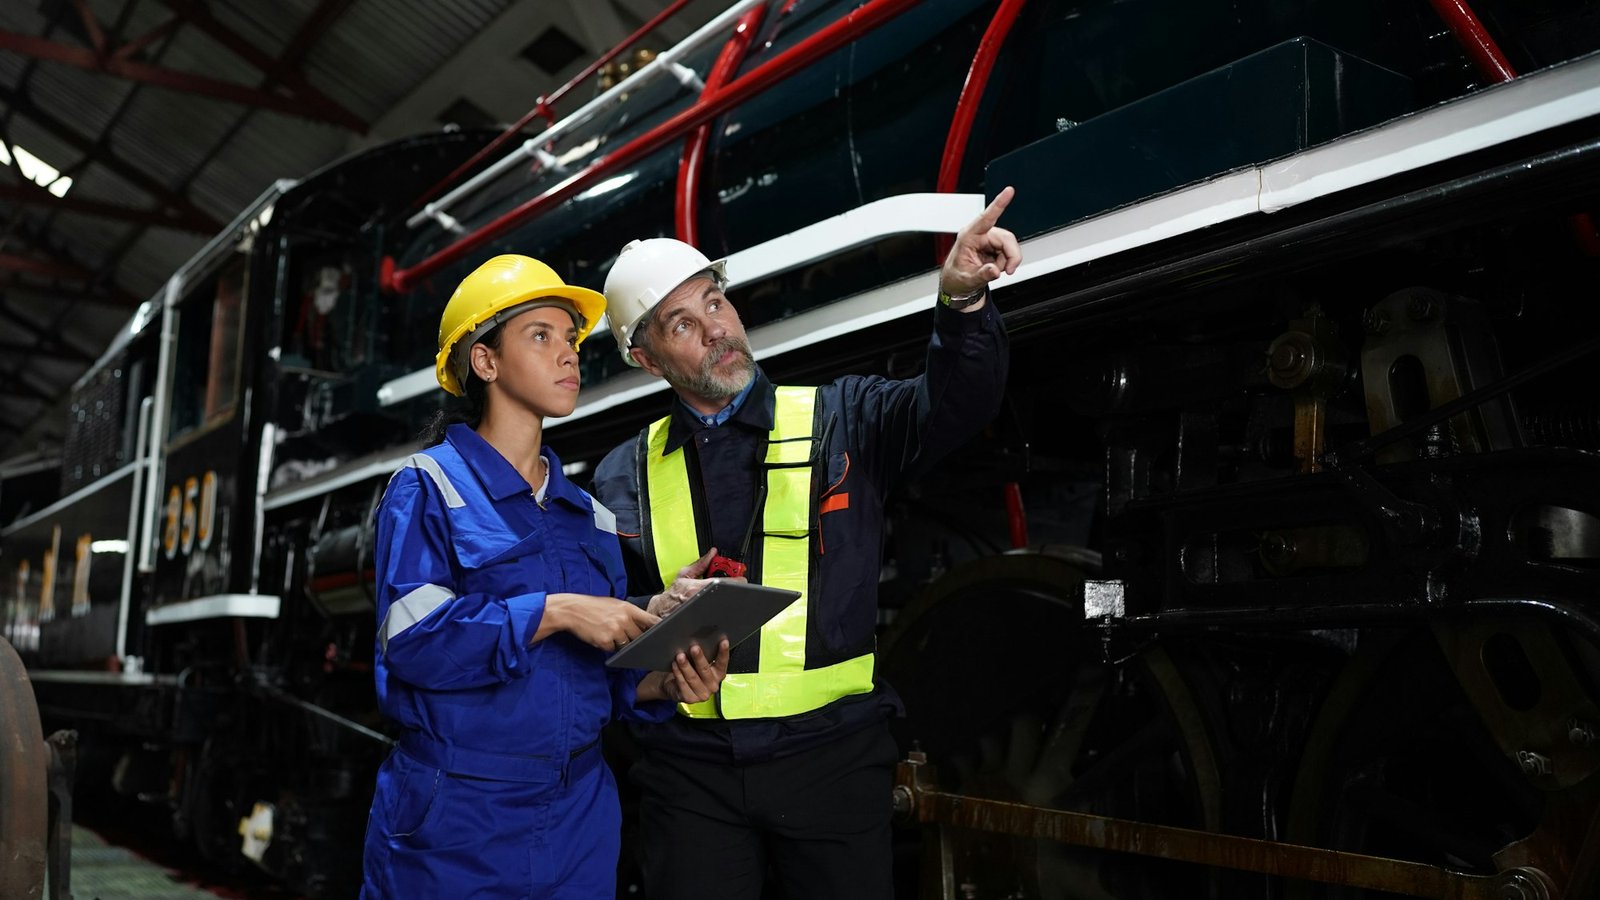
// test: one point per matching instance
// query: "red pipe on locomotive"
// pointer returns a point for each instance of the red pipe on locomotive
(859, 22)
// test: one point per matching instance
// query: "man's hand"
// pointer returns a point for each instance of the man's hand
(981, 252)
(604, 623)
(693, 678)
(690, 580)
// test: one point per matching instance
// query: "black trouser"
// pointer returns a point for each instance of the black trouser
(819, 818)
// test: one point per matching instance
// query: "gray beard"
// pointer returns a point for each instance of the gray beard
(705, 382)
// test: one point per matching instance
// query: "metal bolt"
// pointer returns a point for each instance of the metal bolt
(1533, 764)
(1375, 321)
(904, 803)
(1420, 309)
(1286, 358)
(1524, 884)
(1580, 732)
(1277, 547)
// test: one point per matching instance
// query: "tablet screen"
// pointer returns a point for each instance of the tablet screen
(731, 609)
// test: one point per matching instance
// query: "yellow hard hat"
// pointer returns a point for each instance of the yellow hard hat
(494, 289)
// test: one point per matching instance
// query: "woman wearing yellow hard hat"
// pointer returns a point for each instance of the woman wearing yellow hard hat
(497, 585)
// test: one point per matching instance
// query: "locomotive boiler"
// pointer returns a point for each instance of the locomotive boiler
(1275, 578)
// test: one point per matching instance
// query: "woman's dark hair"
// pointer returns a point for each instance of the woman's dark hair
(467, 410)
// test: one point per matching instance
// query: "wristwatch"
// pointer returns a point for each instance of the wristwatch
(962, 301)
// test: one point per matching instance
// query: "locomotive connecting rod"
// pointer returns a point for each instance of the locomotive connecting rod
(917, 797)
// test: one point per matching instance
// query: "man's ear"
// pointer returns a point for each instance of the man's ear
(645, 362)
(484, 362)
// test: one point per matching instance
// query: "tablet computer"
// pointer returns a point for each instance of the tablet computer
(731, 609)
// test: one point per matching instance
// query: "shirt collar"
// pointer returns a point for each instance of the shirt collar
(498, 476)
(753, 409)
(725, 413)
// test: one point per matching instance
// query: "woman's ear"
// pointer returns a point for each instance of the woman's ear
(484, 362)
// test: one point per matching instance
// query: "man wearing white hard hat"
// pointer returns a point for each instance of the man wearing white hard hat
(790, 767)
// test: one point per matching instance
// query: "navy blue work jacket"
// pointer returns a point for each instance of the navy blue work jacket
(880, 433)
(465, 557)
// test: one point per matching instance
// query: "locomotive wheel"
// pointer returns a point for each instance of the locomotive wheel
(24, 803)
(1414, 756)
(1006, 692)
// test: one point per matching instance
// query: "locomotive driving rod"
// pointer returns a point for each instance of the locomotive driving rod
(917, 797)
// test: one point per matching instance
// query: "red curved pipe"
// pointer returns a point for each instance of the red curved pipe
(1481, 48)
(1474, 39)
(853, 25)
(1016, 518)
(955, 143)
(686, 205)
(545, 106)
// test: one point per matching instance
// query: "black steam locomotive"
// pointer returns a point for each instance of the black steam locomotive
(1276, 578)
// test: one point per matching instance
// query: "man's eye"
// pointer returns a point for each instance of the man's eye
(680, 327)
(572, 342)
(540, 336)
(715, 305)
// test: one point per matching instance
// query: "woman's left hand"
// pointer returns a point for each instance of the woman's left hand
(693, 678)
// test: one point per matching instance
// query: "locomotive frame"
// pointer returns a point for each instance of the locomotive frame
(1314, 412)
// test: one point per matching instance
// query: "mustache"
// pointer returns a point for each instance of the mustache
(723, 346)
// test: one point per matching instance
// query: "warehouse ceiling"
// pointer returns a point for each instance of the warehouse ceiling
(133, 130)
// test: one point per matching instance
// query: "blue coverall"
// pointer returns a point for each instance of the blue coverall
(497, 788)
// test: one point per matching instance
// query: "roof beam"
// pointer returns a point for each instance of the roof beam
(16, 262)
(28, 194)
(84, 58)
(43, 337)
(66, 354)
(175, 201)
(132, 48)
(59, 293)
(308, 101)
(315, 25)
(16, 387)
(52, 263)
(91, 26)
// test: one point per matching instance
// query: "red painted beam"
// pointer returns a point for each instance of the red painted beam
(131, 48)
(16, 262)
(104, 157)
(831, 37)
(310, 102)
(97, 37)
(314, 27)
(113, 297)
(40, 48)
(30, 195)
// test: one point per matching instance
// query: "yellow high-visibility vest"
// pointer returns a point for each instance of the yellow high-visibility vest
(782, 685)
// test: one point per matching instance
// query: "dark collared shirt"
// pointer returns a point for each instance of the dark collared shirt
(878, 434)
(721, 416)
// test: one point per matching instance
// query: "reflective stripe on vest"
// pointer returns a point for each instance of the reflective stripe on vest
(782, 685)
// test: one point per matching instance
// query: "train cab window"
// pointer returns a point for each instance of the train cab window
(205, 383)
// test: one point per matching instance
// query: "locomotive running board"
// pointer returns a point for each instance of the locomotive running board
(217, 606)
(918, 799)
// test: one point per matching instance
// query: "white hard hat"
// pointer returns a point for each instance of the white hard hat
(644, 273)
